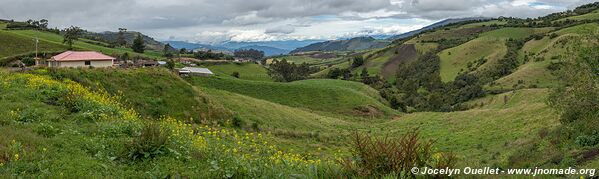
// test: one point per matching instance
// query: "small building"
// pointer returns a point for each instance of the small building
(81, 59)
(193, 71)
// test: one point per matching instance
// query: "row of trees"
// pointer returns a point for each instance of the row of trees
(249, 53)
(283, 71)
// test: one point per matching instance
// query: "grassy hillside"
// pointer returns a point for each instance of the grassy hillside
(14, 44)
(247, 71)
(486, 135)
(334, 96)
(53, 42)
(538, 55)
(154, 92)
(489, 46)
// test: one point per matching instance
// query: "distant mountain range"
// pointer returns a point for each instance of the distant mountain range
(356, 43)
(435, 25)
(268, 47)
(295, 46)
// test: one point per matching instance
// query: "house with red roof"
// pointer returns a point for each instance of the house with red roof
(81, 59)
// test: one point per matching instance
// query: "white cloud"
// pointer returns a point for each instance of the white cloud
(213, 21)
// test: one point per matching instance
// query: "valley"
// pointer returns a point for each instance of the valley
(471, 92)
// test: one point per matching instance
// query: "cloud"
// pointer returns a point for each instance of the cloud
(286, 29)
(266, 19)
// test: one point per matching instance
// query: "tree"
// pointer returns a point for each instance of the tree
(364, 73)
(43, 24)
(170, 64)
(284, 71)
(71, 34)
(120, 39)
(138, 44)
(249, 53)
(167, 51)
(358, 61)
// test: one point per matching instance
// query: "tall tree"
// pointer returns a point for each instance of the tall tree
(138, 44)
(364, 73)
(43, 24)
(358, 61)
(120, 39)
(71, 34)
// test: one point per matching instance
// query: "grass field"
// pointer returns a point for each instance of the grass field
(541, 53)
(484, 136)
(480, 24)
(589, 16)
(454, 60)
(333, 96)
(154, 92)
(13, 44)
(515, 33)
(51, 42)
(247, 71)
(490, 45)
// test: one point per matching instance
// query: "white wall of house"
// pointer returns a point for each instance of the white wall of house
(103, 63)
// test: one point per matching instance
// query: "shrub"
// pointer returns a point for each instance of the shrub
(47, 130)
(151, 143)
(235, 74)
(377, 157)
(237, 122)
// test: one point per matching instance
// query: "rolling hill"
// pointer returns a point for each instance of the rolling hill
(353, 44)
(330, 96)
(20, 42)
(435, 25)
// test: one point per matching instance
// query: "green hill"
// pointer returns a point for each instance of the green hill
(490, 46)
(538, 55)
(334, 96)
(20, 42)
(247, 71)
(14, 44)
(154, 92)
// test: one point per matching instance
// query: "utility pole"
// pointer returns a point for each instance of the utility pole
(36, 43)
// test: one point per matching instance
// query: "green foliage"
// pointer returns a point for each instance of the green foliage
(357, 61)
(576, 99)
(149, 144)
(71, 34)
(138, 44)
(249, 53)
(170, 64)
(235, 74)
(282, 71)
(379, 157)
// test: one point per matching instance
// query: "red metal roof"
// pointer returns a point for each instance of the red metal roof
(81, 56)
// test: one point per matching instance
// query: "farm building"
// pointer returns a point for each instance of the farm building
(195, 71)
(81, 59)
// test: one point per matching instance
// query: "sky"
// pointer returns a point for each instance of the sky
(216, 21)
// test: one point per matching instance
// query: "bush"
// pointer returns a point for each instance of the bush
(237, 122)
(47, 130)
(151, 143)
(378, 157)
(235, 74)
